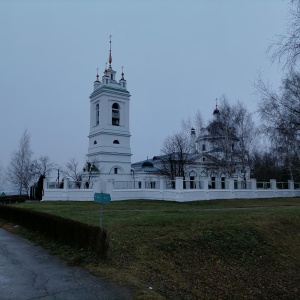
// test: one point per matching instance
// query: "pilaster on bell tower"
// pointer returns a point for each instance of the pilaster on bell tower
(109, 138)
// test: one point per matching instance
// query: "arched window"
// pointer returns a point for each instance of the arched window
(116, 142)
(115, 114)
(116, 170)
(97, 114)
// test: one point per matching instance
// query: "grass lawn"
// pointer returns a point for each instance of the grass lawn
(227, 249)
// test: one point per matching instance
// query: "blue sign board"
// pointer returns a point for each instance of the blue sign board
(102, 198)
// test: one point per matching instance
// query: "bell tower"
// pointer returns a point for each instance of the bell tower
(109, 137)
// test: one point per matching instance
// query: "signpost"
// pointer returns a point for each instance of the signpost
(101, 198)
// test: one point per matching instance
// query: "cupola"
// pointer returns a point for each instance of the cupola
(216, 112)
(97, 83)
(122, 81)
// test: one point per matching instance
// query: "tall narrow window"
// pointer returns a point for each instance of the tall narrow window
(213, 182)
(115, 114)
(97, 114)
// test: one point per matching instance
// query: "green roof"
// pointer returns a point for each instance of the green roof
(105, 87)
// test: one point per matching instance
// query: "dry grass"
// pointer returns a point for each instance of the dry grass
(198, 250)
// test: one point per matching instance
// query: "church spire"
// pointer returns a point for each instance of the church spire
(122, 74)
(110, 57)
(97, 76)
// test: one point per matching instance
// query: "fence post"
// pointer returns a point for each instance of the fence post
(179, 183)
(231, 184)
(273, 184)
(45, 183)
(162, 184)
(66, 183)
(205, 184)
(291, 184)
(109, 186)
(253, 184)
(103, 186)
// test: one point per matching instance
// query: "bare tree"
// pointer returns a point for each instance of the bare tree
(90, 171)
(2, 179)
(43, 167)
(280, 118)
(232, 132)
(21, 171)
(247, 134)
(286, 48)
(196, 122)
(176, 154)
(72, 171)
(268, 161)
(280, 111)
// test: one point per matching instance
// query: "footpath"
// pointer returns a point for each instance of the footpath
(29, 272)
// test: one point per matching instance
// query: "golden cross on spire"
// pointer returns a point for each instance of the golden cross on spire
(216, 102)
(110, 57)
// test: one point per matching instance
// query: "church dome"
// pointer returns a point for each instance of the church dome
(216, 111)
(147, 164)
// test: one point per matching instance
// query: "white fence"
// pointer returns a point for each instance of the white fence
(68, 190)
(176, 190)
(69, 185)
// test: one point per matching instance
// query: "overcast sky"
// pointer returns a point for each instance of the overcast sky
(178, 56)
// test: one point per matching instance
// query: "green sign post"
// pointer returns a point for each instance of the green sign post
(101, 198)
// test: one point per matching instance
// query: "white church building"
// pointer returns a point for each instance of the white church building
(109, 159)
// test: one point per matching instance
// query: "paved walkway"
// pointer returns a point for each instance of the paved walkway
(29, 272)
